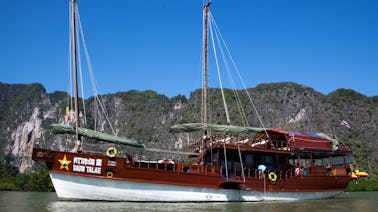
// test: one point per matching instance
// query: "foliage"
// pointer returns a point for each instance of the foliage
(366, 184)
(11, 180)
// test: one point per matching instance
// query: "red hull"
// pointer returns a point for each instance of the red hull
(206, 176)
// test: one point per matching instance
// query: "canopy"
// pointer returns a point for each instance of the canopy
(311, 140)
(214, 127)
(64, 129)
(335, 142)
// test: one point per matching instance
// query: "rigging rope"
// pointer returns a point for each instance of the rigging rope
(90, 69)
(241, 163)
(225, 159)
(239, 75)
(219, 75)
(231, 79)
(80, 72)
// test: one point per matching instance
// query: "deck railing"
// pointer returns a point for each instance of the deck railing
(234, 172)
(179, 167)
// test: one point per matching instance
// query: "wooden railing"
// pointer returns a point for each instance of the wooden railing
(232, 173)
(179, 167)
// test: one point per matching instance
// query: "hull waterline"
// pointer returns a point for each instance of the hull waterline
(73, 187)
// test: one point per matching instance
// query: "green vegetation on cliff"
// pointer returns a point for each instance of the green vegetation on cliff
(12, 180)
(366, 184)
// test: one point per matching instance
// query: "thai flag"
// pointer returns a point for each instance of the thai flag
(345, 124)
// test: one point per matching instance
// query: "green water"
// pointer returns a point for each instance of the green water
(43, 201)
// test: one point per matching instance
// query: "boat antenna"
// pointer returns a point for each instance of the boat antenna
(205, 61)
(74, 66)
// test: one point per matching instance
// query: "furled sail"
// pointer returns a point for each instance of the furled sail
(92, 134)
(191, 127)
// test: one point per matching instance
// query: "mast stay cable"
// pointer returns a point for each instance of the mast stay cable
(229, 74)
(219, 75)
(238, 74)
(90, 70)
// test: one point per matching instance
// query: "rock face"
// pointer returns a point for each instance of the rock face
(24, 137)
(26, 111)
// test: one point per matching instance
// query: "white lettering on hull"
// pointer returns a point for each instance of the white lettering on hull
(87, 165)
(93, 170)
(78, 168)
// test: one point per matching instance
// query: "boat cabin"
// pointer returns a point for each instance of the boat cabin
(286, 154)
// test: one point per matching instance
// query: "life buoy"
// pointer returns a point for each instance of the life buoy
(109, 174)
(111, 152)
(272, 177)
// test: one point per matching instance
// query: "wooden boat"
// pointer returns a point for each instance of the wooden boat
(224, 171)
(233, 163)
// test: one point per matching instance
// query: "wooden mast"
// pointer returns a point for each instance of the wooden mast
(74, 66)
(205, 59)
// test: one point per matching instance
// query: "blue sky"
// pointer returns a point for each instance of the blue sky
(156, 44)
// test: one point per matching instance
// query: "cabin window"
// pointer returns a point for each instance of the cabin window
(326, 162)
(338, 161)
(296, 162)
(349, 159)
(233, 167)
(318, 162)
(249, 161)
(283, 162)
(293, 162)
(212, 157)
(305, 163)
(269, 161)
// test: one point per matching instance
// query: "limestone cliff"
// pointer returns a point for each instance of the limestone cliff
(26, 111)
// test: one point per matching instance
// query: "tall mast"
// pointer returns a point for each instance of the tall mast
(74, 66)
(205, 58)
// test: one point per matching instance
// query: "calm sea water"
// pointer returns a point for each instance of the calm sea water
(47, 201)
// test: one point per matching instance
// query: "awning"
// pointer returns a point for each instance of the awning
(192, 127)
(92, 134)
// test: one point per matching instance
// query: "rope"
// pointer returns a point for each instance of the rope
(90, 69)
(81, 73)
(231, 79)
(241, 163)
(225, 159)
(95, 109)
(240, 78)
(219, 75)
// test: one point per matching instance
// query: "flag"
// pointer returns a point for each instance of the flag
(67, 116)
(345, 124)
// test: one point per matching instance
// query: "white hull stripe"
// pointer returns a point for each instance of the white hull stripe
(87, 188)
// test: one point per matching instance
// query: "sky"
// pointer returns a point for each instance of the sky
(157, 44)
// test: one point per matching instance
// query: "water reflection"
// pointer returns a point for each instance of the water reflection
(47, 201)
(362, 201)
(134, 206)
